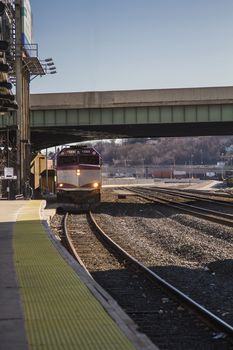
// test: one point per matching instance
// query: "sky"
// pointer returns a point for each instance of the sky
(102, 45)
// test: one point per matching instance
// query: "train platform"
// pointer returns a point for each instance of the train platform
(47, 301)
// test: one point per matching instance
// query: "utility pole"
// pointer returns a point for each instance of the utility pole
(22, 73)
(19, 90)
(47, 173)
(8, 160)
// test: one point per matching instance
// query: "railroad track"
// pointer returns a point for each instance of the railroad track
(170, 318)
(219, 199)
(224, 197)
(177, 202)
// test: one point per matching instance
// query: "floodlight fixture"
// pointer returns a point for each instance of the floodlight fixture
(48, 66)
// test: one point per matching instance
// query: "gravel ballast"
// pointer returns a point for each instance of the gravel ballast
(193, 254)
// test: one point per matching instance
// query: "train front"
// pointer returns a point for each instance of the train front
(78, 178)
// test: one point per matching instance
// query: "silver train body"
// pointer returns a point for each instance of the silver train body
(78, 178)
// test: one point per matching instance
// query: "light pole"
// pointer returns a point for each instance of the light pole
(191, 164)
(47, 173)
(143, 169)
(8, 160)
(27, 67)
(18, 73)
(125, 166)
(201, 156)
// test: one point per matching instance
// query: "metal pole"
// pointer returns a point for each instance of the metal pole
(47, 173)
(8, 160)
(18, 69)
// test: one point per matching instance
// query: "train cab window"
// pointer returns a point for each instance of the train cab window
(66, 160)
(88, 159)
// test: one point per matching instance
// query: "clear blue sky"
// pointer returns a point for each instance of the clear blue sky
(134, 44)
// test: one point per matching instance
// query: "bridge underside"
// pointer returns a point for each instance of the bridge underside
(50, 136)
(54, 127)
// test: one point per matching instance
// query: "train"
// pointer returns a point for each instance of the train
(79, 181)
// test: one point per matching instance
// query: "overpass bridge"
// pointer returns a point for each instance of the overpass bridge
(58, 118)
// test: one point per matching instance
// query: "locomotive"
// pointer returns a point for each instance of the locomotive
(78, 177)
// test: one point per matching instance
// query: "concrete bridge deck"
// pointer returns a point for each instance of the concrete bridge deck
(132, 98)
(60, 118)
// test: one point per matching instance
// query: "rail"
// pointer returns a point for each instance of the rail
(183, 299)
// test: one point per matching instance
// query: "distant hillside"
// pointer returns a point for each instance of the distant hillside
(164, 151)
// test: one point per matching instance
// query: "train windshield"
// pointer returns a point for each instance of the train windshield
(89, 159)
(64, 160)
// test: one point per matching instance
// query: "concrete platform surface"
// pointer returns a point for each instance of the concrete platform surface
(47, 301)
(12, 330)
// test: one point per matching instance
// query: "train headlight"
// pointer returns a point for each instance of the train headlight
(95, 184)
(78, 172)
(60, 185)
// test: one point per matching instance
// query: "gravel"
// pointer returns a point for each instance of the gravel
(193, 254)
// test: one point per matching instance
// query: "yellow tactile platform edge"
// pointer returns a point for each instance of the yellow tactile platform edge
(60, 312)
